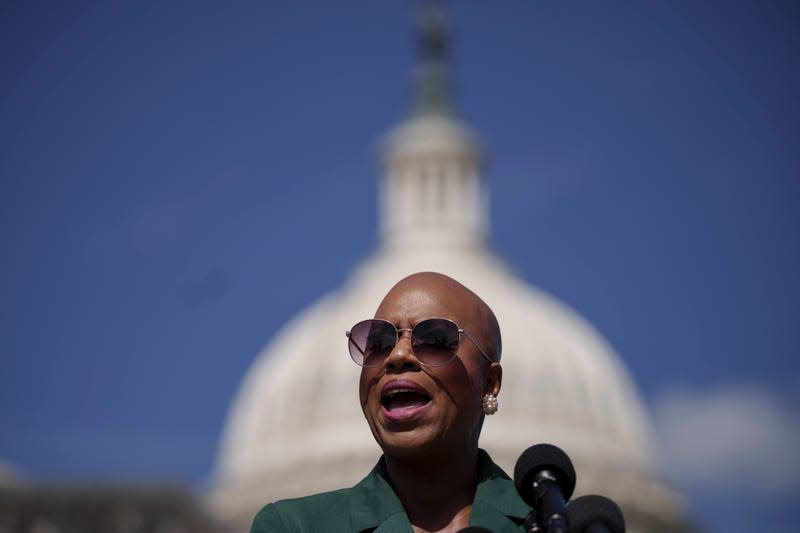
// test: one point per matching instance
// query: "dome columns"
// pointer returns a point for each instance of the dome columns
(432, 194)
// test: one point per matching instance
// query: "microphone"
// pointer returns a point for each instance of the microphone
(545, 479)
(474, 529)
(595, 514)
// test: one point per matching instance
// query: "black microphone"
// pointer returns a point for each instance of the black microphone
(545, 479)
(474, 529)
(595, 514)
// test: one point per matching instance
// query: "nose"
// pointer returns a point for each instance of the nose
(401, 356)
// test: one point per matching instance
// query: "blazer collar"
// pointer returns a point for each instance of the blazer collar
(374, 506)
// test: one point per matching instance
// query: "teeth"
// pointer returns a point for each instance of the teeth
(391, 394)
(396, 391)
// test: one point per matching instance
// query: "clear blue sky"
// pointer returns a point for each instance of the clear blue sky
(178, 179)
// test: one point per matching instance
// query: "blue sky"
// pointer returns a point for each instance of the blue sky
(178, 179)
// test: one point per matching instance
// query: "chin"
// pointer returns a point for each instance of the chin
(416, 442)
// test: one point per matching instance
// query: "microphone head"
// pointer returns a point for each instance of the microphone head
(543, 457)
(591, 509)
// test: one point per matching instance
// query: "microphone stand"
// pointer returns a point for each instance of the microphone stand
(532, 525)
(550, 503)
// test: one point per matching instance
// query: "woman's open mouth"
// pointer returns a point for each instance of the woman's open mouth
(402, 400)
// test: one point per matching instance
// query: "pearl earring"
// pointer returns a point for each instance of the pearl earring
(489, 403)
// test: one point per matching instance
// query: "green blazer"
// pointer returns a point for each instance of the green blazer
(372, 506)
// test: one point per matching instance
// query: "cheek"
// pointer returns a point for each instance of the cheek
(476, 379)
(366, 384)
(460, 383)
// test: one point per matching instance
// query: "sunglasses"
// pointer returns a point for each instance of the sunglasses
(434, 341)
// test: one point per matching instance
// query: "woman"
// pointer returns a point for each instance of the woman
(430, 372)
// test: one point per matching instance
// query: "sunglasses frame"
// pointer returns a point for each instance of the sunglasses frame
(399, 331)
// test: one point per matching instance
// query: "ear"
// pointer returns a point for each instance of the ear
(494, 378)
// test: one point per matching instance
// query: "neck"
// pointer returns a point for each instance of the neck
(436, 492)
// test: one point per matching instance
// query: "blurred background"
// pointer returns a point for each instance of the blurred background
(179, 179)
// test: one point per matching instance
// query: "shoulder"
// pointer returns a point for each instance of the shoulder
(327, 510)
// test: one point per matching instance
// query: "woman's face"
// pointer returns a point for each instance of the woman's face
(412, 408)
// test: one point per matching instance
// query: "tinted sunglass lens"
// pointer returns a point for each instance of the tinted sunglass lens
(371, 341)
(435, 341)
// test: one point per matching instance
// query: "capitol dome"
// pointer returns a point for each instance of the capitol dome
(296, 427)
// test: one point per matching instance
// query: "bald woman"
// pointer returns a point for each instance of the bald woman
(430, 373)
